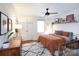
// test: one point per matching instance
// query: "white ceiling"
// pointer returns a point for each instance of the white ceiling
(36, 9)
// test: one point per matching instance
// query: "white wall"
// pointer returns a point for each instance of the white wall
(48, 26)
(71, 27)
(9, 11)
(29, 27)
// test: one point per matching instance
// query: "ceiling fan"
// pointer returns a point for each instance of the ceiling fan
(48, 13)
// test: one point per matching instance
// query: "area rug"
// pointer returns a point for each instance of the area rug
(34, 49)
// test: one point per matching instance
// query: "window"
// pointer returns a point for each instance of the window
(40, 26)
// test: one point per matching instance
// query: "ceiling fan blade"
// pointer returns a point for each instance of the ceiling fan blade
(42, 12)
(54, 13)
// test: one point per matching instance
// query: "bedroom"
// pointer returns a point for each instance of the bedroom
(29, 22)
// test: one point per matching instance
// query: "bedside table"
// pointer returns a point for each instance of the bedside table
(69, 48)
(73, 44)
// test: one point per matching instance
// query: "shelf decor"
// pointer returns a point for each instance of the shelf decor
(70, 18)
(60, 20)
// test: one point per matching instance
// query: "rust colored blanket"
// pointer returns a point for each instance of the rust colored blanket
(51, 42)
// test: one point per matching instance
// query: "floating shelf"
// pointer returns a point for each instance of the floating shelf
(65, 22)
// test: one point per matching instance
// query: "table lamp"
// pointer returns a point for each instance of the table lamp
(17, 28)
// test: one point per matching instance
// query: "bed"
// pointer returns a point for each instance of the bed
(52, 41)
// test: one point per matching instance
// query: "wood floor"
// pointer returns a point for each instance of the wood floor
(28, 41)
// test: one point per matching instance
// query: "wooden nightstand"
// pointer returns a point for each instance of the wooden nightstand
(13, 49)
(73, 44)
(69, 46)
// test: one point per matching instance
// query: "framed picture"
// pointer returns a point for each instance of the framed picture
(9, 24)
(3, 23)
(70, 18)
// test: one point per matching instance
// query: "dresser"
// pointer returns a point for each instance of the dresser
(14, 47)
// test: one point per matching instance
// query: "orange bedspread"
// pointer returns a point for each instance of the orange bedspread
(51, 42)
